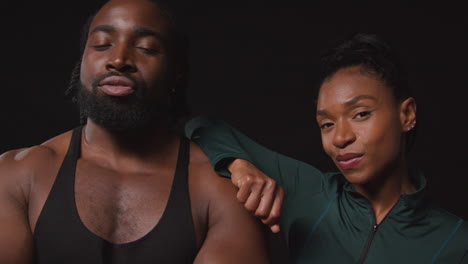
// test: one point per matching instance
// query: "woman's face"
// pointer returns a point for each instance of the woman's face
(362, 125)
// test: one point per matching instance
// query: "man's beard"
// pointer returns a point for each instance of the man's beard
(135, 111)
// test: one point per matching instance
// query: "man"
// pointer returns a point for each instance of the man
(374, 209)
(125, 187)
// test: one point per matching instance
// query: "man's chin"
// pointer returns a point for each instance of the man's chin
(121, 123)
(129, 121)
(122, 114)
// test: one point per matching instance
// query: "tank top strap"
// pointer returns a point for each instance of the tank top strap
(61, 196)
(74, 149)
(181, 172)
(66, 175)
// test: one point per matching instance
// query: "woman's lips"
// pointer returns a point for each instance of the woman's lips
(349, 160)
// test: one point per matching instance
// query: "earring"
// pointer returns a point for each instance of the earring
(411, 126)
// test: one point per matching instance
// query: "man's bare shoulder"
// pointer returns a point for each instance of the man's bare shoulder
(212, 186)
(23, 161)
(226, 217)
(201, 164)
(197, 156)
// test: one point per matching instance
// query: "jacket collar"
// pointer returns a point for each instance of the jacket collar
(410, 207)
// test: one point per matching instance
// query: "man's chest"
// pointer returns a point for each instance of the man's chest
(121, 207)
(92, 213)
(118, 207)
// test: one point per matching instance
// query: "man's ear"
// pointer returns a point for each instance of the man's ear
(408, 114)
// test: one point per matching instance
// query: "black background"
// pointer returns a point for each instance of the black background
(253, 64)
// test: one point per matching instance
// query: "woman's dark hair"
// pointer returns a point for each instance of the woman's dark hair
(377, 58)
(374, 55)
(179, 108)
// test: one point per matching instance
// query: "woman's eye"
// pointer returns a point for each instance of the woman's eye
(326, 125)
(362, 114)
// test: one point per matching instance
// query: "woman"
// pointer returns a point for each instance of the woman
(373, 210)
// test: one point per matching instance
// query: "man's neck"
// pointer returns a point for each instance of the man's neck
(130, 148)
(385, 191)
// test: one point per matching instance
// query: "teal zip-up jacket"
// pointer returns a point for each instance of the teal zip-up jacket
(325, 221)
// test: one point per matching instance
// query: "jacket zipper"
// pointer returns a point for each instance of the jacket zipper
(365, 251)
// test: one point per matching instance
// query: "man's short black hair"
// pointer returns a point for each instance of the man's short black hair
(180, 108)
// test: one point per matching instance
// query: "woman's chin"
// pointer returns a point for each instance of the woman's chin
(356, 177)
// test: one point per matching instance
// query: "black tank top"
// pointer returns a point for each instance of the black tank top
(61, 237)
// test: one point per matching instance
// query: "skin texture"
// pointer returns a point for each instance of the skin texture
(260, 194)
(119, 171)
(357, 113)
(115, 45)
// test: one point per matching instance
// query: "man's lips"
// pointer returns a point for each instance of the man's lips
(349, 160)
(116, 86)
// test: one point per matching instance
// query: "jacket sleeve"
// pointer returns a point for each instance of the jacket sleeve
(221, 142)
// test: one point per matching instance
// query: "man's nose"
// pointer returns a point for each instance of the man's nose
(121, 60)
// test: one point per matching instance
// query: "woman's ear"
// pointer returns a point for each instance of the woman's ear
(408, 114)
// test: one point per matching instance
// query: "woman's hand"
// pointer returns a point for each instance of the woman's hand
(260, 194)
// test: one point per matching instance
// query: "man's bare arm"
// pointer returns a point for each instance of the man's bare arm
(16, 243)
(234, 236)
